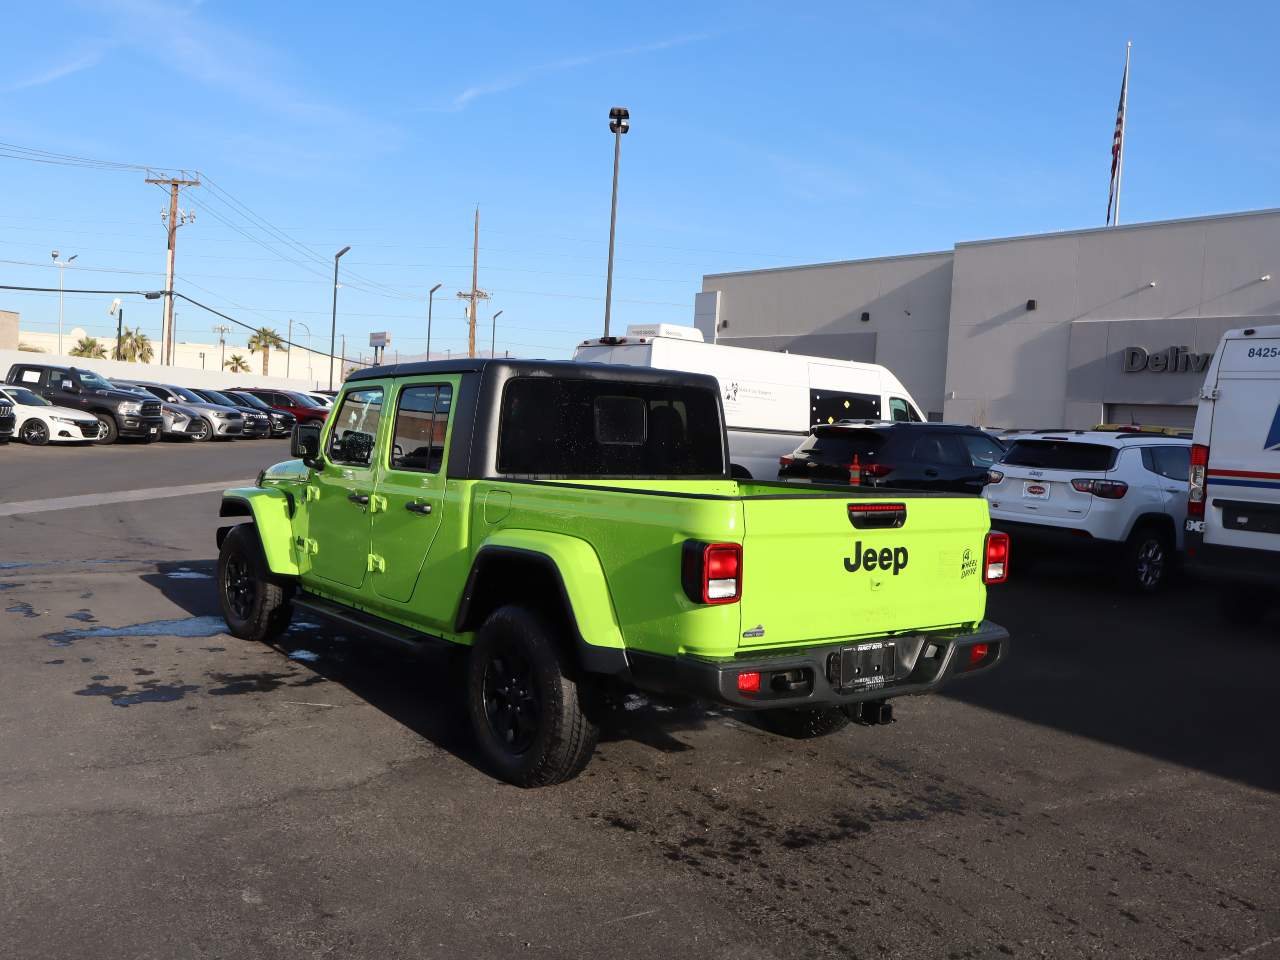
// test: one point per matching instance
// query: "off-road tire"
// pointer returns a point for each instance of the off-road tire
(34, 432)
(803, 723)
(110, 433)
(525, 701)
(1146, 559)
(256, 608)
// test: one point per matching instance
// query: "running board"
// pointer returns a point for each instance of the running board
(365, 623)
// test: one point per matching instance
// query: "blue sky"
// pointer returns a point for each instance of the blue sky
(761, 136)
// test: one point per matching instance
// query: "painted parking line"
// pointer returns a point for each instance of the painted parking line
(118, 496)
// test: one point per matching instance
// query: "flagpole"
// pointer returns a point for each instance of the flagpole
(1124, 128)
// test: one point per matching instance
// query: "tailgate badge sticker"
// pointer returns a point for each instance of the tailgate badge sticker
(968, 564)
(758, 631)
(886, 558)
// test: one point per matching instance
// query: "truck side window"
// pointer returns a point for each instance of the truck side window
(422, 423)
(832, 406)
(356, 427)
(900, 411)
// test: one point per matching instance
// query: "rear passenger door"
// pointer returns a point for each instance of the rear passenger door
(410, 490)
(1172, 464)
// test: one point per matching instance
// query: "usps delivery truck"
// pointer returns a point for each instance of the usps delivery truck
(1233, 504)
(771, 400)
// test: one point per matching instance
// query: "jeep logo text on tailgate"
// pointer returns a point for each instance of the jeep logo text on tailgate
(886, 558)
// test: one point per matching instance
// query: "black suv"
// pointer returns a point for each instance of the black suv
(907, 456)
(121, 412)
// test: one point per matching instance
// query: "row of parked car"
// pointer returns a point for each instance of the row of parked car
(42, 403)
(1115, 489)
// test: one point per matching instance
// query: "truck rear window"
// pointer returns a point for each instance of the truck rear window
(608, 428)
(1060, 455)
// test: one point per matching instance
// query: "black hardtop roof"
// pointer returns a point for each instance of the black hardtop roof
(564, 369)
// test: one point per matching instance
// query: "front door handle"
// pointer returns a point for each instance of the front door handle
(931, 472)
(417, 506)
(361, 499)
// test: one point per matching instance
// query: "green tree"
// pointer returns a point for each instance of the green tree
(90, 348)
(263, 339)
(135, 346)
(235, 363)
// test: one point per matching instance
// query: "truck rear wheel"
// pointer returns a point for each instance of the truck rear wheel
(525, 707)
(255, 606)
(804, 723)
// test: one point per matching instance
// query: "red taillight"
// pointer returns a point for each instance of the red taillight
(711, 572)
(977, 653)
(786, 461)
(1196, 481)
(749, 682)
(995, 566)
(877, 470)
(1106, 489)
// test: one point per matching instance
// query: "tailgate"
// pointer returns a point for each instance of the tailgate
(810, 575)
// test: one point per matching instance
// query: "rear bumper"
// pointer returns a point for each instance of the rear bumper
(1237, 565)
(924, 664)
(1049, 534)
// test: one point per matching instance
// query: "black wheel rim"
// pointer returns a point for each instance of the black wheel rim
(34, 431)
(239, 587)
(511, 705)
(1150, 563)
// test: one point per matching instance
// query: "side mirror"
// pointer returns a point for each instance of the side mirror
(304, 443)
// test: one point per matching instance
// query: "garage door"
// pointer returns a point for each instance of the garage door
(1152, 414)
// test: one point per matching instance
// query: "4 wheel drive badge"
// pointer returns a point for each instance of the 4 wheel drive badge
(968, 564)
(756, 631)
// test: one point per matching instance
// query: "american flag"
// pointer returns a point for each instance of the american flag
(1117, 145)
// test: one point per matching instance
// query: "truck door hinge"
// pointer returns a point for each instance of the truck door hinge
(377, 503)
(377, 564)
(313, 493)
(307, 545)
(1210, 394)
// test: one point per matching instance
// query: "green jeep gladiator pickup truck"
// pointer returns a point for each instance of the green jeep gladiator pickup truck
(577, 528)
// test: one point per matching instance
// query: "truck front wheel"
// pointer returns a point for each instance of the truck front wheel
(109, 432)
(525, 706)
(255, 606)
(804, 723)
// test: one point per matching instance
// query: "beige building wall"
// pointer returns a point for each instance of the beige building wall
(8, 330)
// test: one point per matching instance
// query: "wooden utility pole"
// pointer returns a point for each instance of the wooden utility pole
(174, 219)
(475, 293)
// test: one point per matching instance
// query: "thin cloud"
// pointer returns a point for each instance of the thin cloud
(513, 80)
(74, 64)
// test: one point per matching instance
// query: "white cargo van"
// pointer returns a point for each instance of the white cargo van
(770, 399)
(1233, 506)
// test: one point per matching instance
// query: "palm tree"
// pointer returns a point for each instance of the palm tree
(235, 363)
(264, 338)
(89, 348)
(135, 346)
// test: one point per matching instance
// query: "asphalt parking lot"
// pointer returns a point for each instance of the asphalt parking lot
(169, 791)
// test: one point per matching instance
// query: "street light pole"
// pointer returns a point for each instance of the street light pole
(62, 269)
(309, 351)
(493, 334)
(117, 310)
(333, 322)
(431, 296)
(619, 123)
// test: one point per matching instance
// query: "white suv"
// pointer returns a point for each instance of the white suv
(1124, 489)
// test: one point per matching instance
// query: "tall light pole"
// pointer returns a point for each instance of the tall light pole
(333, 323)
(62, 269)
(117, 310)
(431, 296)
(222, 330)
(619, 123)
(493, 334)
(308, 329)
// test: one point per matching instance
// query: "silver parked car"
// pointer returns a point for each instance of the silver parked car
(211, 421)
